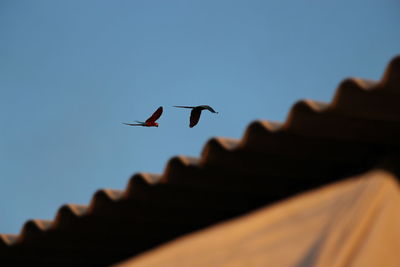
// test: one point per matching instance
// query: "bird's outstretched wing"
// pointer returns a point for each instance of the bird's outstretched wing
(156, 115)
(194, 117)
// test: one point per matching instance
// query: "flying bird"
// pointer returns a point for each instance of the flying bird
(150, 122)
(196, 112)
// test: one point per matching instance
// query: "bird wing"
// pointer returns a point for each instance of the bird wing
(194, 117)
(156, 115)
(183, 107)
(133, 124)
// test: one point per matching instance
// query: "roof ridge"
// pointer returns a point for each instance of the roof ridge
(7, 239)
(177, 164)
(68, 214)
(139, 183)
(212, 148)
(390, 80)
(33, 229)
(103, 198)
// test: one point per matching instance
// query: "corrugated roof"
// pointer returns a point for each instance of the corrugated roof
(318, 143)
(349, 223)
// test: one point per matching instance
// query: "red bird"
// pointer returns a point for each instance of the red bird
(196, 112)
(150, 122)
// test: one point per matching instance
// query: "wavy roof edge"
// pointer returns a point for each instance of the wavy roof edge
(365, 93)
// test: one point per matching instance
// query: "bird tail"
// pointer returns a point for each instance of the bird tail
(133, 124)
(183, 107)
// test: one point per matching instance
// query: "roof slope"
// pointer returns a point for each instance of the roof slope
(319, 143)
(350, 223)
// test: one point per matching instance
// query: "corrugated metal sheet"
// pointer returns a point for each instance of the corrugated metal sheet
(349, 223)
(318, 143)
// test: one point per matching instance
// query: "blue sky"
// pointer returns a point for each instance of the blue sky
(72, 71)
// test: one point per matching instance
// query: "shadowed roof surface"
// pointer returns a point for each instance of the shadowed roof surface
(319, 143)
(350, 223)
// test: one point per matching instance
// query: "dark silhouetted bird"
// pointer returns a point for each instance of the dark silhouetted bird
(150, 122)
(196, 112)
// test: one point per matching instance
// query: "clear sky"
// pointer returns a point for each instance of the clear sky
(72, 71)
